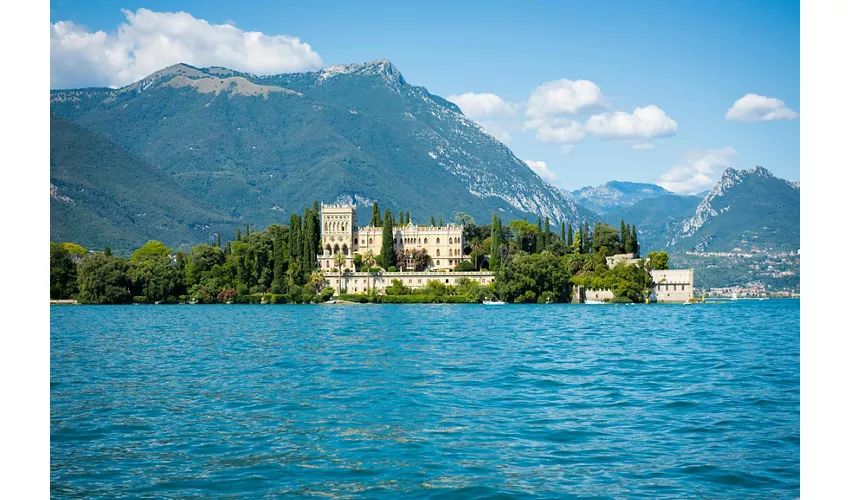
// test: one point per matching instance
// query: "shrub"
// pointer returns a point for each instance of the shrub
(140, 299)
(392, 269)
(464, 266)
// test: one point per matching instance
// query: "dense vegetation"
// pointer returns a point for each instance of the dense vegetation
(531, 262)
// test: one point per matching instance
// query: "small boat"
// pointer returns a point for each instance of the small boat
(593, 302)
(491, 302)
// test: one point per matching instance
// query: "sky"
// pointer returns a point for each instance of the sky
(670, 93)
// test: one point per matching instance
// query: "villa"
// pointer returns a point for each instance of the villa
(444, 244)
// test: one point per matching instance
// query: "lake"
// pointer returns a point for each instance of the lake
(426, 401)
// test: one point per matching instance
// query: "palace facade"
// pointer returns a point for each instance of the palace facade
(340, 234)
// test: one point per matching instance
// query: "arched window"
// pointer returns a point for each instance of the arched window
(438, 262)
(426, 241)
(370, 241)
(345, 249)
(438, 241)
(336, 249)
(438, 252)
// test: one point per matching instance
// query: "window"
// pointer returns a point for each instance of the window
(438, 262)
(419, 281)
(438, 241)
(438, 251)
(426, 241)
(370, 241)
(447, 280)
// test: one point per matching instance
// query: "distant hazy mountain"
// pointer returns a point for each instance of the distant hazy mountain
(258, 148)
(658, 219)
(101, 195)
(614, 195)
(747, 209)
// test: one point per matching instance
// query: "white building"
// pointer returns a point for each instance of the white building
(444, 244)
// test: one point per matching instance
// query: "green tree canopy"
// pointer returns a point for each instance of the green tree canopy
(152, 250)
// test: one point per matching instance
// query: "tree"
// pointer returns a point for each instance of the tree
(658, 260)
(310, 242)
(63, 273)
(464, 219)
(585, 240)
(535, 278)
(569, 240)
(432, 221)
(401, 217)
(151, 250)
(369, 261)
(247, 229)
(238, 234)
(295, 247)
(218, 239)
(496, 244)
(635, 244)
(564, 233)
(339, 261)
(387, 241)
(477, 247)
(441, 222)
(107, 251)
(103, 280)
(317, 279)
(376, 215)
(407, 217)
(605, 236)
(75, 251)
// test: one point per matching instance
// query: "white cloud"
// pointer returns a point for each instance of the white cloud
(697, 171)
(149, 41)
(757, 108)
(483, 105)
(570, 132)
(542, 170)
(565, 97)
(642, 125)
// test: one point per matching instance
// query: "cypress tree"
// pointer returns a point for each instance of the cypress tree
(316, 207)
(580, 236)
(107, 251)
(563, 233)
(635, 244)
(238, 234)
(547, 231)
(218, 239)
(585, 241)
(308, 236)
(277, 254)
(570, 235)
(247, 229)
(227, 249)
(376, 215)
(387, 240)
(441, 222)
(432, 221)
(495, 244)
(295, 238)
(407, 217)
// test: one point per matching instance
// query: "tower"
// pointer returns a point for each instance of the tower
(338, 227)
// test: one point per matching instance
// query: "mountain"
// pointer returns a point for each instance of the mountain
(614, 195)
(258, 148)
(658, 219)
(102, 195)
(750, 210)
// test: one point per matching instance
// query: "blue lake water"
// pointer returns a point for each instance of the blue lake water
(426, 401)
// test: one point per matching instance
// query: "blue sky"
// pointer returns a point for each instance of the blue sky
(689, 61)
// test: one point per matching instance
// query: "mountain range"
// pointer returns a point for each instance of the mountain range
(189, 152)
(259, 148)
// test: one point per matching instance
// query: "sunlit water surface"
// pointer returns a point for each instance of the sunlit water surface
(426, 401)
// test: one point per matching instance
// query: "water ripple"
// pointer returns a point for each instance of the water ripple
(426, 401)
